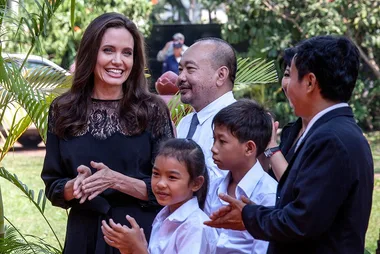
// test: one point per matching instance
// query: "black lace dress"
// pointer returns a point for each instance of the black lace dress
(104, 139)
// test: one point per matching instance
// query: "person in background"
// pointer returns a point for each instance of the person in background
(279, 155)
(324, 197)
(180, 183)
(206, 78)
(167, 51)
(242, 130)
(103, 135)
(171, 63)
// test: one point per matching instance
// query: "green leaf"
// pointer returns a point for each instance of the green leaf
(15, 242)
(29, 194)
(2, 225)
(72, 15)
(257, 71)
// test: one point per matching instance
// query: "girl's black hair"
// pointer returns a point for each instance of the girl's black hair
(190, 153)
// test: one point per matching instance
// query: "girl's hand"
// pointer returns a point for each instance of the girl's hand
(83, 173)
(103, 179)
(127, 240)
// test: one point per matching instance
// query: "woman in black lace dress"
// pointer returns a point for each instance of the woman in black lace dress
(291, 132)
(103, 135)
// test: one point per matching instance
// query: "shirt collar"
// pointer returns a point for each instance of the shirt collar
(317, 116)
(182, 212)
(217, 104)
(246, 185)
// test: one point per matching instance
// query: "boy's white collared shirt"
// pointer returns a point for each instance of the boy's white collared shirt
(203, 135)
(260, 188)
(182, 231)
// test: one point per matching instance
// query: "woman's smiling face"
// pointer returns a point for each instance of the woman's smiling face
(115, 58)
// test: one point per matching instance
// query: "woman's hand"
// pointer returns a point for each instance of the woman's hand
(103, 179)
(83, 173)
(273, 140)
(127, 240)
(264, 161)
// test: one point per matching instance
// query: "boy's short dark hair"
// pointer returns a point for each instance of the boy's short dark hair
(246, 120)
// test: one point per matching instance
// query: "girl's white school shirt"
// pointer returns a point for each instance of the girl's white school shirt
(182, 231)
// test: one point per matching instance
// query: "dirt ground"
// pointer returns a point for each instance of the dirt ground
(39, 151)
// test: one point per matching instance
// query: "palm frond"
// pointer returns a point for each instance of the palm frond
(15, 242)
(33, 91)
(29, 193)
(43, 247)
(12, 243)
(13, 125)
(43, 85)
(25, 189)
(28, 89)
(46, 78)
(32, 100)
(2, 224)
(256, 71)
(177, 109)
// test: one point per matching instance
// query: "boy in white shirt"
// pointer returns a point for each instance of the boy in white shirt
(241, 133)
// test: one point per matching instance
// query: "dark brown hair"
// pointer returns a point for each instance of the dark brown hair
(246, 120)
(136, 105)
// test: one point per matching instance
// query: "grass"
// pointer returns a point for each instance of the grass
(26, 218)
(19, 210)
(374, 140)
(374, 221)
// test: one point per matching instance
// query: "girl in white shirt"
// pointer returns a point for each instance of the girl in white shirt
(180, 183)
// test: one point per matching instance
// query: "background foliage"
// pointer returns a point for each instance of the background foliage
(62, 41)
(268, 27)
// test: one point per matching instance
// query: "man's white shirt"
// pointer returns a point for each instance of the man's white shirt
(204, 134)
(260, 188)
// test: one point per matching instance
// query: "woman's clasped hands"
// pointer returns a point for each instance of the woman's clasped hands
(88, 185)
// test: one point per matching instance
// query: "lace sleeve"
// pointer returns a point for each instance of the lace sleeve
(52, 173)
